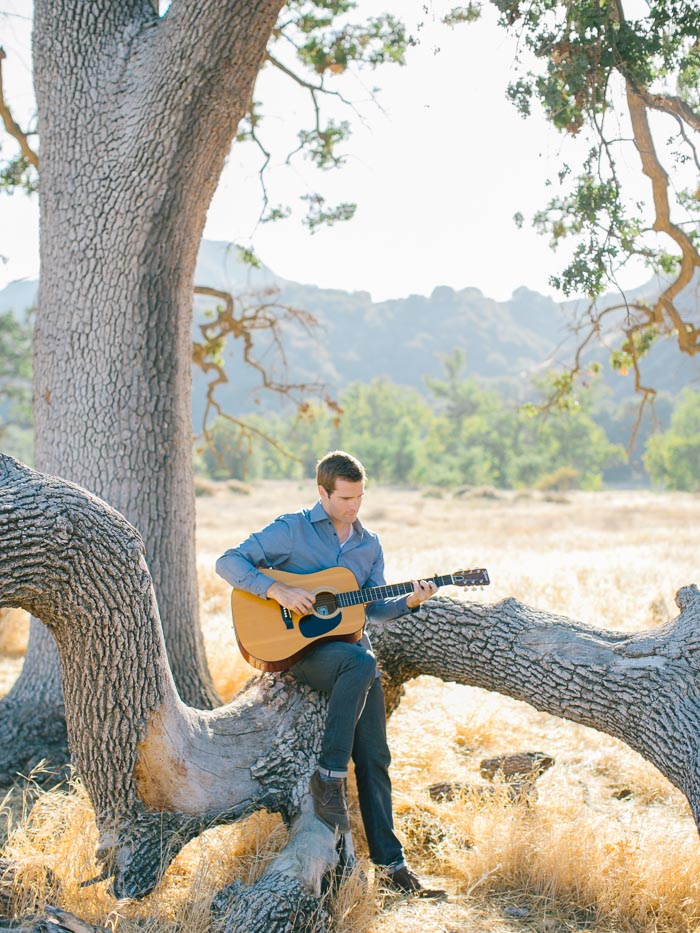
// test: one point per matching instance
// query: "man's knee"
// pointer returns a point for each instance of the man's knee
(328, 661)
(363, 664)
(357, 664)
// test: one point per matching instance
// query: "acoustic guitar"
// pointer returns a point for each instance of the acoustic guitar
(272, 638)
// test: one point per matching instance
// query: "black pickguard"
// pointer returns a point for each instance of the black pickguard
(313, 626)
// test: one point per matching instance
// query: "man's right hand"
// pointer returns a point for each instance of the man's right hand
(291, 597)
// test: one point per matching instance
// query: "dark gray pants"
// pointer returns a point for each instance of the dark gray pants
(356, 727)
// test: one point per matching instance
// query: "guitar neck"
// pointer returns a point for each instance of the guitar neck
(373, 593)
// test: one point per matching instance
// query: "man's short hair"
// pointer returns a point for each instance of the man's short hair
(337, 464)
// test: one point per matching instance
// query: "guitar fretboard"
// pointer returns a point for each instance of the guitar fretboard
(369, 595)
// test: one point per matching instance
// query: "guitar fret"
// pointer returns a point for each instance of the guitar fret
(385, 592)
(369, 595)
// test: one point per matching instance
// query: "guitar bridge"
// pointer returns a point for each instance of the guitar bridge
(286, 617)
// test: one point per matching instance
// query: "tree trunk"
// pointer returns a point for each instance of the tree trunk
(159, 772)
(136, 117)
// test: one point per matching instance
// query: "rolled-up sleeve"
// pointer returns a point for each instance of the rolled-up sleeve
(270, 547)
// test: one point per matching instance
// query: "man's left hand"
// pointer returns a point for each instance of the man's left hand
(422, 590)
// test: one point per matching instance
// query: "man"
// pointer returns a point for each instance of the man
(330, 535)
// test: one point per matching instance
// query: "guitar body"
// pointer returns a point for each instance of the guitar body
(272, 638)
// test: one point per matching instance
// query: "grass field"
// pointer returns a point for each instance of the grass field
(608, 845)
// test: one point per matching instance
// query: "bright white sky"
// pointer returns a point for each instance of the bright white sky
(437, 172)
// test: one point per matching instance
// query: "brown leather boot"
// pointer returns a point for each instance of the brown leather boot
(404, 881)
(331, 802)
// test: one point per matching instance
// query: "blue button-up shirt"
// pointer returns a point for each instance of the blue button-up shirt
(305, 542)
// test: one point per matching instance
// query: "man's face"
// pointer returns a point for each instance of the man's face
(343, 504)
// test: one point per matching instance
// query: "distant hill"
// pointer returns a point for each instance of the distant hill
(505, 343)
(18, 296)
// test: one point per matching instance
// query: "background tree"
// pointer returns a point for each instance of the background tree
(468, 435)
(385, 424)
(673, 458)
(619, 81)
(458, 397)
(16, 381)
(620, 421)
(473, 438)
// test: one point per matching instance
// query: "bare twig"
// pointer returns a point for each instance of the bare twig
(675, 106)
(487, 874)
(302, 82)
(242, 324)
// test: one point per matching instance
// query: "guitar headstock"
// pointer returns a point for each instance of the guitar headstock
(471, 577)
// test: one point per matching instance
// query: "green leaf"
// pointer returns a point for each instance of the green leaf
(318, 214)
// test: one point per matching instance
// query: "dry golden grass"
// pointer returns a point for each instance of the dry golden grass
(608, 845)
(14, 632)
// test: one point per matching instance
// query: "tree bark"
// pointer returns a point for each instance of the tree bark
(136, 116)
(641, 688)
(32, 716)
(159, 772)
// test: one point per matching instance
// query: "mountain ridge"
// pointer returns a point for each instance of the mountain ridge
(504, 343)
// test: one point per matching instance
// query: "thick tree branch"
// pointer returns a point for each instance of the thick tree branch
(672, 105)
(159, 772)
(640, 688)
(639, 100)
(11, 126)
(688, 336)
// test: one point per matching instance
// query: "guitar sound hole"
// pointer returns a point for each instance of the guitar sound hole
(326, 617)
(325, 604)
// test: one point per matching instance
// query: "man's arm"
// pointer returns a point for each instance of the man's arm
(244, 566)
(239, 566)
(385, 610)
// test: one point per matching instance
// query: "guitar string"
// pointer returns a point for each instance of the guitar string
(357, 597)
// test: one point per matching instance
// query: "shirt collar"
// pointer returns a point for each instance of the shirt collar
(318, 514)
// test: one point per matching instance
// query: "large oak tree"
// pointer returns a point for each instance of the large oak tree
(159, 772)
(136, 114)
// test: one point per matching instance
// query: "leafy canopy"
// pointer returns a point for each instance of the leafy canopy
(630, 87)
